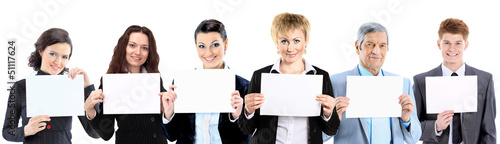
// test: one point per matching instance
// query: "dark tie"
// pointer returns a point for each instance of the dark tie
(457, 129)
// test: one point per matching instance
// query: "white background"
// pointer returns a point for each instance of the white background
(95, 27)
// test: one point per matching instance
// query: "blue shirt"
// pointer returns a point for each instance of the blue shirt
(379, 129)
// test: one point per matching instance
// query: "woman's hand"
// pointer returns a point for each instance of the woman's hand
(253, 101)
(77, 71)
(328, 104)
(167, 101)
(36, 124)
(94, 98)
(236, 103)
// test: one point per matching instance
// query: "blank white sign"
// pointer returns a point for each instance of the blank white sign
(204, 91)
(131, 93)
(291, 95)
(374, 96)
(54, 95)
(458, 93)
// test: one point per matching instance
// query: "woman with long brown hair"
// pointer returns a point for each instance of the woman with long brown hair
(135, 52)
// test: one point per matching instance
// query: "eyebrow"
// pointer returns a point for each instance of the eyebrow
(57, 53)
(215, 41)
(136, 43)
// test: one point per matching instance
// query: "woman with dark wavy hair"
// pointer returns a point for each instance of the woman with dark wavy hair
(135, 52)
(52, 52)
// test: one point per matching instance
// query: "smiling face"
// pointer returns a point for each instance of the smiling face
(292, 46)
(211, 47)
(55, 57)
(452, 47)
(137, 51)
(372, 51)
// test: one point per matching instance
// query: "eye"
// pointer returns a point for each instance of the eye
(145, 48)
(446, 43)
(201, 46)
(459, 43)
(216, 45)
(382, 45)
(132, 45)
(297, 41)
(65, 57)
(52, 54)
(368, 44)
(284, 41)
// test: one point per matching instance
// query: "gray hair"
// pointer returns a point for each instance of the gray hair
(370, 27)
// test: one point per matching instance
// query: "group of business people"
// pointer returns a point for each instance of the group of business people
(136, 52)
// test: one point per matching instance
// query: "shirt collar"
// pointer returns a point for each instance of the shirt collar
(448, 72)
(364, 72)
(201, 67)
(309, 67)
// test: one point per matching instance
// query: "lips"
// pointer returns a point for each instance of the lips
(136, 58)
(210, 59)
(291, 55)
(452, 55)
(55, 68)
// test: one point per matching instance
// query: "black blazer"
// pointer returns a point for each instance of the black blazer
(132, 128)
(477, 127)
(60, 131)
(182, 126)
(265, 126)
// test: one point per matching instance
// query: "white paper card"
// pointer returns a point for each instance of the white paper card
(374, 96)
(204, 91)
(54, 95)
(458, 93)
(131, 93)
(291, 95)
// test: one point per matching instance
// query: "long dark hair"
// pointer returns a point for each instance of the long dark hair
(49, 37)
(118, 62)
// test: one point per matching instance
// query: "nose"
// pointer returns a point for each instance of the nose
(138, 51)
(58, 61)
(289, 47)
(376, 49)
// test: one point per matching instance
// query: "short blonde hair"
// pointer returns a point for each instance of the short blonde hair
(285, 22)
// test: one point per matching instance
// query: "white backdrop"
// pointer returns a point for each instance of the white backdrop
(95, 27)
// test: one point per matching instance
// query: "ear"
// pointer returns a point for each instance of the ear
(225, 44)
(357, 47)
(439, 44)
(40, 52)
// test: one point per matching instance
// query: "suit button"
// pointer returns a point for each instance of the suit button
(152, 119)
(314, 130)
(154, 135)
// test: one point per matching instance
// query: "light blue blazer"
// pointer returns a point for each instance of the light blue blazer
(353, 130)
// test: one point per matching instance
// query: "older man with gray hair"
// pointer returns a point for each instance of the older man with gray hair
(372, 45)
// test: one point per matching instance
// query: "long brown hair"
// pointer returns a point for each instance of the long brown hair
(118, 62)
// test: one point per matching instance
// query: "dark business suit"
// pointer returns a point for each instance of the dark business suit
(477, 127)
(132, 128)
(60, 127)
(265, 127)
(182, 126)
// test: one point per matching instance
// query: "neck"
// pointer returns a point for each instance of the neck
(134, 69)
(453, 66)
(373, 71)
(221, 66)
(292, 68)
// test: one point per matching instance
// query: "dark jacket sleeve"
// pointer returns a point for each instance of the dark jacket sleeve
(11, 131)
(332, 125)
(488, 128)
(229, 131)
(87, 126)
(104, 125)
(248, 126)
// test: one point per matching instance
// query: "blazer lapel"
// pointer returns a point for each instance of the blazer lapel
(362, 121)
(468, 117)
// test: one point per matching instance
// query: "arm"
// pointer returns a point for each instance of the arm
(332, 125)
(10, 130)
(488, 128)
(248, 126)
(413, 132)
(87, 126)
(228, 127)
(104, 125)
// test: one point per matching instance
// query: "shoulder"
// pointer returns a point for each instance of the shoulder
(320, 71)
(240, 80)
(479, 72)
(265, 69)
